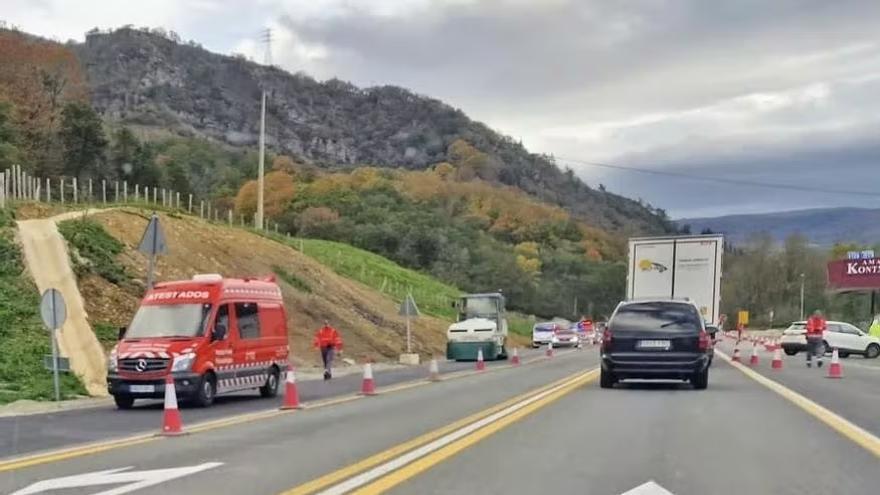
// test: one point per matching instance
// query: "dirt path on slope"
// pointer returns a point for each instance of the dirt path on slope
(48, 262)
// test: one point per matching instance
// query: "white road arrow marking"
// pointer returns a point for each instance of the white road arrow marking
(135, 479)
(649, 488)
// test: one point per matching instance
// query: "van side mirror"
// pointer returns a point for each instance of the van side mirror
(121, 334)
(219, 332)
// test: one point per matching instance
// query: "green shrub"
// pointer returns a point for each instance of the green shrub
(95, 249)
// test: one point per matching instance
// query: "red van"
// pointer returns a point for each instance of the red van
(214, 335)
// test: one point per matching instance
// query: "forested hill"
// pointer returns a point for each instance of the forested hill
(150, 80)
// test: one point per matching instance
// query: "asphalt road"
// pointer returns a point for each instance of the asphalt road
(546, 427)
(32, 433)
(856, 396)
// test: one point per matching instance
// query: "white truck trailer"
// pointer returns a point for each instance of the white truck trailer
(686, 266)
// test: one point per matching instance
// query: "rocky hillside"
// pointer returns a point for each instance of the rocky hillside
(154, 83)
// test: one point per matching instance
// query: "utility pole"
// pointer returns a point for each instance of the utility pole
(266, 38)
(803, 315)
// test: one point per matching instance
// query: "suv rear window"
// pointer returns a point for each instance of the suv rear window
(658, 316)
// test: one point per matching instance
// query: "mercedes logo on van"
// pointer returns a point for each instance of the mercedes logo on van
(141, 365)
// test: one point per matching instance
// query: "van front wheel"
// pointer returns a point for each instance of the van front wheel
(204, 396)
(270, 389)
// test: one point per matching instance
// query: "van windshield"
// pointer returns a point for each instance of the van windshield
(169, 320)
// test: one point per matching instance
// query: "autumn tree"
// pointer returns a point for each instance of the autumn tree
(10, 154)
(83, 139)
(313, 221)
(280, 190)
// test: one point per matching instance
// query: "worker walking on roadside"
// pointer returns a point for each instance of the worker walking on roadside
(816, 325)
(874, 331)
(327, 339)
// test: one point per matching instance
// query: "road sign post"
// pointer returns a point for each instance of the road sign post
(53, 312)
(409, 310)
(152, 244)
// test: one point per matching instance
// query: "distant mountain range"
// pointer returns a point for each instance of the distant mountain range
(822, 226)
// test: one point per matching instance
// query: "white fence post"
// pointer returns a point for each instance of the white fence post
(104, 190)
(37, 189)
(137, 193)
(116, 196)
(178, 201)
(190, 209)
(155, 194)
(91, 198)
(48, 190)
(230, 217)
(201, 209)
(2, 190)
(164, 194)
(75, 192)
(61, 188)
(125, 191)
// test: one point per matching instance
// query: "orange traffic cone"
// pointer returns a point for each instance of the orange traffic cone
(172, 425)
(434, 371)
(514, 360)
(753, 360)
(368, 387)
(550, 349)
(776, 364)
(291, 396)
(835, 370)
(735, 357)
(481, 365)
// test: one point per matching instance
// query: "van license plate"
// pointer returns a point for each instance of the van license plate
(662, 345)
(142, 389)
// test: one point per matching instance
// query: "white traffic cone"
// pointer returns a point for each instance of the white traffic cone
(550, 349)
(514, 360)
(172, 424)
(481, 365)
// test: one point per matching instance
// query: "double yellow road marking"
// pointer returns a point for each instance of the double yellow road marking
(401, 462)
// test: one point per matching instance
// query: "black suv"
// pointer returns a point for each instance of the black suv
(658, 339)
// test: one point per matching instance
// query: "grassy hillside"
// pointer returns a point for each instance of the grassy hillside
(23, 338)
(111, 276)
(387, 277)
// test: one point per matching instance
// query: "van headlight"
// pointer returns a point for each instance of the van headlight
(183, 362)
(112, 363)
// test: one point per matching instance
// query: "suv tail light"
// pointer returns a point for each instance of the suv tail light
(704, 341)
(606, 339)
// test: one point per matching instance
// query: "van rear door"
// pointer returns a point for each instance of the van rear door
(250, 373)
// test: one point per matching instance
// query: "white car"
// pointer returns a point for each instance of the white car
(845, 337)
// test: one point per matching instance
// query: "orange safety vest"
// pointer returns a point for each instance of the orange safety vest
(326, 337)
(815, 326)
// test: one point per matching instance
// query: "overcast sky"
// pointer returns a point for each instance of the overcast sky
(778, 91)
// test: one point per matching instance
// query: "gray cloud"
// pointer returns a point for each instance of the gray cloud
(781, 91)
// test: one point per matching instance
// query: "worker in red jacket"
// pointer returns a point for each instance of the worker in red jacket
(816, 325)
(327, 339)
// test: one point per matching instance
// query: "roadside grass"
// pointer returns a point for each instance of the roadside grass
(93, 249)
(520, 324)
(23, 338)
(291, 279)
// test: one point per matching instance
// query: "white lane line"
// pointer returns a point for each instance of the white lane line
(649, 488)
(394, 464)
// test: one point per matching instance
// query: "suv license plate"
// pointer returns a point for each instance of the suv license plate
(662, 345)
(142, 389)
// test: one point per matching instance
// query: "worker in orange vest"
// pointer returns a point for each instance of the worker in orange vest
(327, 339)
(816, 325)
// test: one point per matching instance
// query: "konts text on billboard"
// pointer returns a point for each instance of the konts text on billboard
(854, 274)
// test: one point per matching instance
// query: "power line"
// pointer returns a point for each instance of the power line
(722, 180)
(266, 39)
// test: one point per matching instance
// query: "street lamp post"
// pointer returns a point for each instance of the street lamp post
(803, 315)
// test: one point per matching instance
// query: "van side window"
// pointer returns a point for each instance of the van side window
(222, 320)
(248, 320)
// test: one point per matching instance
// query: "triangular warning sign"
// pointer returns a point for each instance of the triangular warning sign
(408, 307)
(153, 241)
